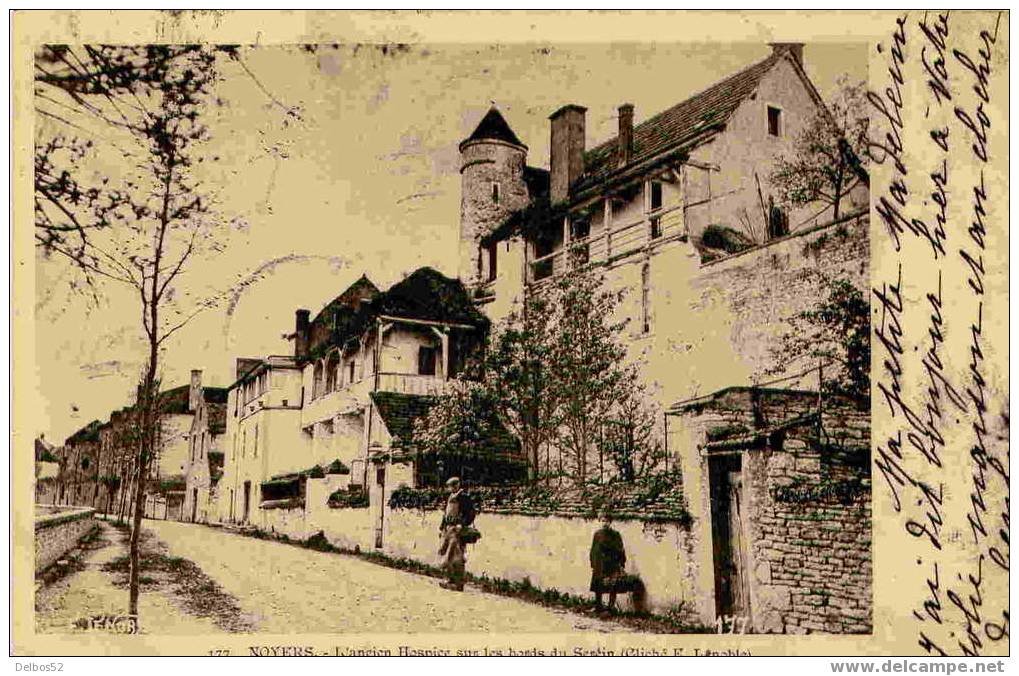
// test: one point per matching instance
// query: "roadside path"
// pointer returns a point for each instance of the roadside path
(92, 590)
(285, 589)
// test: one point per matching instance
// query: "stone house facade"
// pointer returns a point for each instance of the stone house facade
(646, 210)
(205, 450)
(262, 433)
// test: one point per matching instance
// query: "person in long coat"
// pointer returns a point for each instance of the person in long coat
(460, 513)
(608, 557)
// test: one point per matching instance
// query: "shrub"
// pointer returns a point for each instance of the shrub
(319, 542)
(406, 497)
(353, 497)
(337, 467)
(726, 239)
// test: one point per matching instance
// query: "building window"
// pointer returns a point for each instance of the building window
(580, 231)
(656, 205)
(426, 360)
(495, 193)
(332, 374)
(645, 298)
(316, 384)
(255, 453)
(774, 121)
(492, 270)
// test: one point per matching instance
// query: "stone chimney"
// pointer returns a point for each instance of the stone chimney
(195, 393)
(566, 163)
(302, 328)
(794, 48)
(625, 134)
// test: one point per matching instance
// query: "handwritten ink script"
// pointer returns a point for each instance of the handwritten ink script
(940, 313)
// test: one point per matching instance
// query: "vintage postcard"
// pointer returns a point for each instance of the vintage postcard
(510, 333)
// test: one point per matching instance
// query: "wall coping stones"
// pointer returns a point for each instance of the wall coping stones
(49, 520)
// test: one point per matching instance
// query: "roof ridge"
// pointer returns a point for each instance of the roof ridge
(773, 57)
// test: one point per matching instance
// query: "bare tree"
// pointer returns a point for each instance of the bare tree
(119, 193)
(828, 157)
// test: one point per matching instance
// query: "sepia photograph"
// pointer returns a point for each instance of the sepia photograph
(620, 382)
(385, 337)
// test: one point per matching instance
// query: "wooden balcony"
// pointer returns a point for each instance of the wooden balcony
(354, 396)
(412, 383)
(607, 246)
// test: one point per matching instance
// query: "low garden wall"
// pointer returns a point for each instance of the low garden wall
(549, 550)
(57, 533)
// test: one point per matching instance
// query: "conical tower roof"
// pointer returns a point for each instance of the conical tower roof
(493, 127)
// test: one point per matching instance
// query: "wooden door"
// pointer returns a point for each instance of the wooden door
(380, 487)
(731, 560)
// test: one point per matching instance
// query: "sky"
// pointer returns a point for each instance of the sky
(366, 183)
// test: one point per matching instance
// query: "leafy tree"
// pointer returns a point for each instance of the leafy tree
(587, 358)
(827, 160)
(519, 373)
(460, 425)
(553, 372)
(836, 334)
(629, 437)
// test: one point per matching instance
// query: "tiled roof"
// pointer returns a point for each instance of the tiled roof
(493, 126)
(697, 120)
(245, 365)
(426, 295)
(175, 401)
(89, 432)
(217, 418)
(337, 317)
(215, 395)
(399, 412)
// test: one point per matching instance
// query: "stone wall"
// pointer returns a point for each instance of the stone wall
(807, 503)
(57, 533)
(550, 551)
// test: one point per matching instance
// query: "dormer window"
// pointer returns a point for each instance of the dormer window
(774, 121)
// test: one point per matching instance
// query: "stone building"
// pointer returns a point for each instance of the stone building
(47, 471)
(678, 212)
(164, 488)
(205, 452)
(343, 407)
(263, 434)
(99, 461)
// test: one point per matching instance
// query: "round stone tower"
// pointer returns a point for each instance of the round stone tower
(492, 187)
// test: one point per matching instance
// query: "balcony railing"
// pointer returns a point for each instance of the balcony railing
(606, 246)
(355, 395)
(412, 383)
